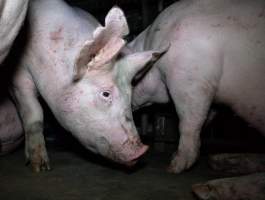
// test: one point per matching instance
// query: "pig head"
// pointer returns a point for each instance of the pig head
(86, 84)
(97, 107)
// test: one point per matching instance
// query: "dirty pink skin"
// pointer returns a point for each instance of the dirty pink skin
(235, 188)
(11, 132)
(217, 54)
(12, 15)
(71, 61)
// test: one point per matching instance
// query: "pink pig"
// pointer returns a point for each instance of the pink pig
(217, 54)
(72, 62)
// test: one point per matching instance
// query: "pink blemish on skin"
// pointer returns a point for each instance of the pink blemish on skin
(56, 35)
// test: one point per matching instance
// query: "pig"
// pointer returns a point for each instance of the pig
(12, 15)
(72, 62)
(216, 55)
(11, 132)
(238, 164)
(235, 188)
(249, 186)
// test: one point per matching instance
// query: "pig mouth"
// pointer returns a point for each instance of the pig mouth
(136, 157)
(128, 159)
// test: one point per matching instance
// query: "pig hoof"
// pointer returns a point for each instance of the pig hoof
(180, 163)
(38, 160)
(202, 191)
(43, 166)
(175, 170)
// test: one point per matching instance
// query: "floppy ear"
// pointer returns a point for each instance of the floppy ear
(131, 64)
(105, 44)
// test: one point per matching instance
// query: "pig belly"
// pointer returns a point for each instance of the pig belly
(11, 133)
(242, 85)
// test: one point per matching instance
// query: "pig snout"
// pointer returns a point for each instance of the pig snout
(129, 152)
(134, 158)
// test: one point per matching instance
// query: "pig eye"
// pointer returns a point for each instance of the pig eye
(106, 95)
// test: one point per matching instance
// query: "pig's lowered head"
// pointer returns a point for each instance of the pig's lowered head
(96, 108)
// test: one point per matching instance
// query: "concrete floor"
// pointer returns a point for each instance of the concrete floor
(78, 175)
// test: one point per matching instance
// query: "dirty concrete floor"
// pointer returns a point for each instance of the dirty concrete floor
(79, 175)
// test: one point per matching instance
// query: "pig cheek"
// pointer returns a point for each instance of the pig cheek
(69, 101)
(72, 103)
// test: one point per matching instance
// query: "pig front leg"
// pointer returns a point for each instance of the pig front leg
(192, 85)
(192, 114)
(31, 114)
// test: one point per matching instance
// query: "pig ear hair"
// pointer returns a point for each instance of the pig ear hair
(106, 43)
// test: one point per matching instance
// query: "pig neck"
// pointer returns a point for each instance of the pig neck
(151, 88)
(55, 39)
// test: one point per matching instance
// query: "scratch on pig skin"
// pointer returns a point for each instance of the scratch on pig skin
(56, 35)
(240, 24)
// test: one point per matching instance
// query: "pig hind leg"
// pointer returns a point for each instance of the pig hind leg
(31, 114)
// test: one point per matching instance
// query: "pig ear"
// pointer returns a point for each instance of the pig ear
(105, 45)
(94, 55)
(116, 21)
(131, 64)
